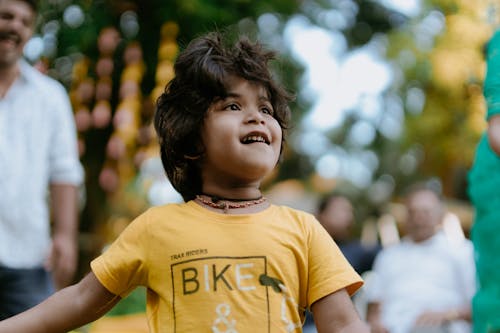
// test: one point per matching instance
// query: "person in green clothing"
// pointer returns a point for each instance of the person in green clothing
(484, 183)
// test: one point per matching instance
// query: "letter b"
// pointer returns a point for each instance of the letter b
(190, 279)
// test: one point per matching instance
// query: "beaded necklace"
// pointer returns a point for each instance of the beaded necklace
(226, 204)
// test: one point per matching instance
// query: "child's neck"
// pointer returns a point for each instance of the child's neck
(232, 194)
(215, 198)
(249, 202)
(226, 204)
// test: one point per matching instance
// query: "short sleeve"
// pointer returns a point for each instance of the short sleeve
(123, 266)
(65, 166)
(329, 270)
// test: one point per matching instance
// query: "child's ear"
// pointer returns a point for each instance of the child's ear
(197, 153)
(192, 158)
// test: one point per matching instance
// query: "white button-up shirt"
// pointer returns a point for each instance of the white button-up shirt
(37, 147)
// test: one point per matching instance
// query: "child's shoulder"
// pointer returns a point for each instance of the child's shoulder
(277, 212)
(294, 213)
(166, 208)
(293, 210)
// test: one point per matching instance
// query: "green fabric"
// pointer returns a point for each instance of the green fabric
(492, 80)
(484, 179)
(484, 192)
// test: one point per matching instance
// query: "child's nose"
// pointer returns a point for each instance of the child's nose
(255, 116)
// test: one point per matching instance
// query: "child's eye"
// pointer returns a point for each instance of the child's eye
(267, 110)
(232, 107)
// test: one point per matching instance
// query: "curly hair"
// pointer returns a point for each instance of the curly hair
(202, 72)
(32, 3)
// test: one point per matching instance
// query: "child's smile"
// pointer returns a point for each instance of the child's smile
(255, 137)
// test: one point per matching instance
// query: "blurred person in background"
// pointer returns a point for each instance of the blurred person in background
(336, 214)
(426, 282)
(38, 152)
(484, 183)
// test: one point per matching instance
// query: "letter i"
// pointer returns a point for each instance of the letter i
(207, 279)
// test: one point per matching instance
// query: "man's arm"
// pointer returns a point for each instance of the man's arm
(64, 253)
(335, 313)
(494, 133)
(437, 318)
(67, 309)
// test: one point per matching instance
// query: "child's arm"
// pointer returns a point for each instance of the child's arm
(67, 309)
(335, 313)
(494, 133)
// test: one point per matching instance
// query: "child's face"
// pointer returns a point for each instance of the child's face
(242, 139)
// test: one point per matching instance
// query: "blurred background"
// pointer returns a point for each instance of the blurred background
(388, 92)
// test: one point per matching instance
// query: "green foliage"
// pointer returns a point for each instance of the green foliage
(135, 302)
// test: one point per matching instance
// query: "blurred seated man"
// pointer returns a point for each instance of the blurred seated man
(426, 282)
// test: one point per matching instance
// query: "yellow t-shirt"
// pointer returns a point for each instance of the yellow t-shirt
(212, 272)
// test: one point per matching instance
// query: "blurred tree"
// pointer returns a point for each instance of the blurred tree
(437, 66)
(442, 88)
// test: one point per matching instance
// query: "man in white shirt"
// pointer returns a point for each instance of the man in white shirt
(426, 282)
(38, 152)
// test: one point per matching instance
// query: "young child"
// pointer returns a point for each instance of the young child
(226, 260)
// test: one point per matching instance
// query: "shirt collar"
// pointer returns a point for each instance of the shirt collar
(25, 70)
